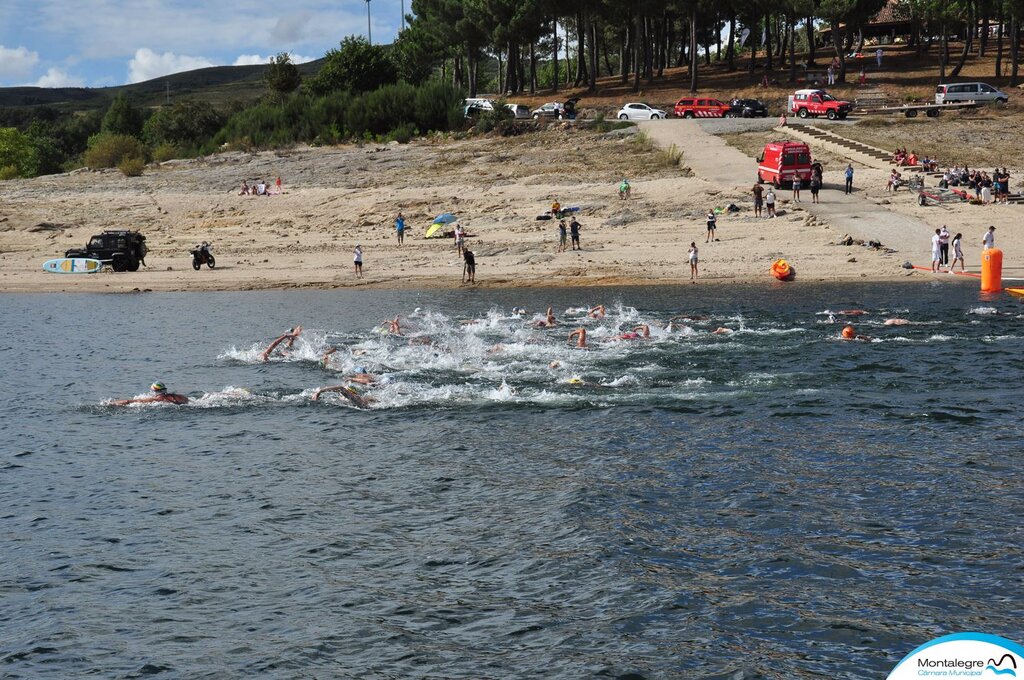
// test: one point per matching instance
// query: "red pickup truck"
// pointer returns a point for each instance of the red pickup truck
(816, 103)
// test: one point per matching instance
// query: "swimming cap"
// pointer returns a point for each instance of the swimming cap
(158, 387)
(848, 332)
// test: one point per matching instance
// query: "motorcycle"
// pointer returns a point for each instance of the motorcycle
(201, 255)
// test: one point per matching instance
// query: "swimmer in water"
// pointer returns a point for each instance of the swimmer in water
(596, 312)
(689, 317)
(852, 312)
(896, 322)
(641, 332)
(394, 328)
(288, 338)
(722, 330)
(580, 334)
(362, 376)
(158, 395)
(325, 360)
(555, 364)
(345, 391)
(850, 333)
(548, 321)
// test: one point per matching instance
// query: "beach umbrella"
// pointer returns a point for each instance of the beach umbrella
(445, 218)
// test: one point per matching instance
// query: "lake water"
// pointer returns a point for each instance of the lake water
(773, 502)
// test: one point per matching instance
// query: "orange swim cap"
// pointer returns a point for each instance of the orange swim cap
(849, 333)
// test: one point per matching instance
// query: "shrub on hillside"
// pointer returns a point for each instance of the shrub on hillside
(18, 152)
(131, 167)
(188, 123)
(165, 152)
(107, 150)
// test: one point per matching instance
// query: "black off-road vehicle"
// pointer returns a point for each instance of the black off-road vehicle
(122, 250)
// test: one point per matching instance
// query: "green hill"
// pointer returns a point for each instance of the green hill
(219, 85)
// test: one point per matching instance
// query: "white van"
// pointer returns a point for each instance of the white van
(965, 92)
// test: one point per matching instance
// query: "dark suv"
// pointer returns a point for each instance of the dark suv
(747, 108)
(123, 250)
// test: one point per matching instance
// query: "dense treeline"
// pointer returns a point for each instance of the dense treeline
(638, 41)
(362, 92)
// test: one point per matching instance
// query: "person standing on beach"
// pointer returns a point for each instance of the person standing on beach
(357, 261)
(769, 202)
(469, 270)
(989, 239)
(936, 252)
(400, 228)
(815, 187)
(849, 178)
(797, 185)
(944, 245)
(712, 223)
(460, 238)
(958, 254)
(693, 261)
(758, 192)
(574, 231)
(562, 239)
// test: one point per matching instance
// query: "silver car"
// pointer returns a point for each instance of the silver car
(965, 92)
(639, 111)
(519, 110)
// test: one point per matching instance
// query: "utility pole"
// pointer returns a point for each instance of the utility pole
(402, 24)
(369, 35)
(168, 84)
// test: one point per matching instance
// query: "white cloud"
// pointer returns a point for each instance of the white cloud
(253, 59)
(57, 78)
(17, 62)
(147, 64)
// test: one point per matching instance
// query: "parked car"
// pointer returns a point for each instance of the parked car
(747, 108)
(783, 162)
(479, 102)
(640, 111)
(965, 92)
(689, 107)
(816, 103)
(561, 110)
(124, 250)
(519, 110)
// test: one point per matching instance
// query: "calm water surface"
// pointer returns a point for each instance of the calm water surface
(769, 503)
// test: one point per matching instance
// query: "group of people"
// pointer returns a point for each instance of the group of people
(259, 188)
(940, 250)
(571, 230)
(764, 199)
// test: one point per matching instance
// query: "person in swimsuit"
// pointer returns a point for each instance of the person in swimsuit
(580, 334)
(641, 332)
(596, 312)
(849, 333)
(693, 261)
(288, 338)
(158, 395)
(345, 391)
(394, 328)
(548, 321)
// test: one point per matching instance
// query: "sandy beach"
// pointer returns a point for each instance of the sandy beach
(337, 197)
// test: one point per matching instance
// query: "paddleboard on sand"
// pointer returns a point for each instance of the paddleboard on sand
(72, 265)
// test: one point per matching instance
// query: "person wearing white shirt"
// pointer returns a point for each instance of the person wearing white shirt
(936, 254)
(989, 239)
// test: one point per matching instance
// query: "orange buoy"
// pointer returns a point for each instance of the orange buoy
(782, 270)
(991, 270)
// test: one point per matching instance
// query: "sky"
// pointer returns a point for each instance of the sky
(99, 43)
